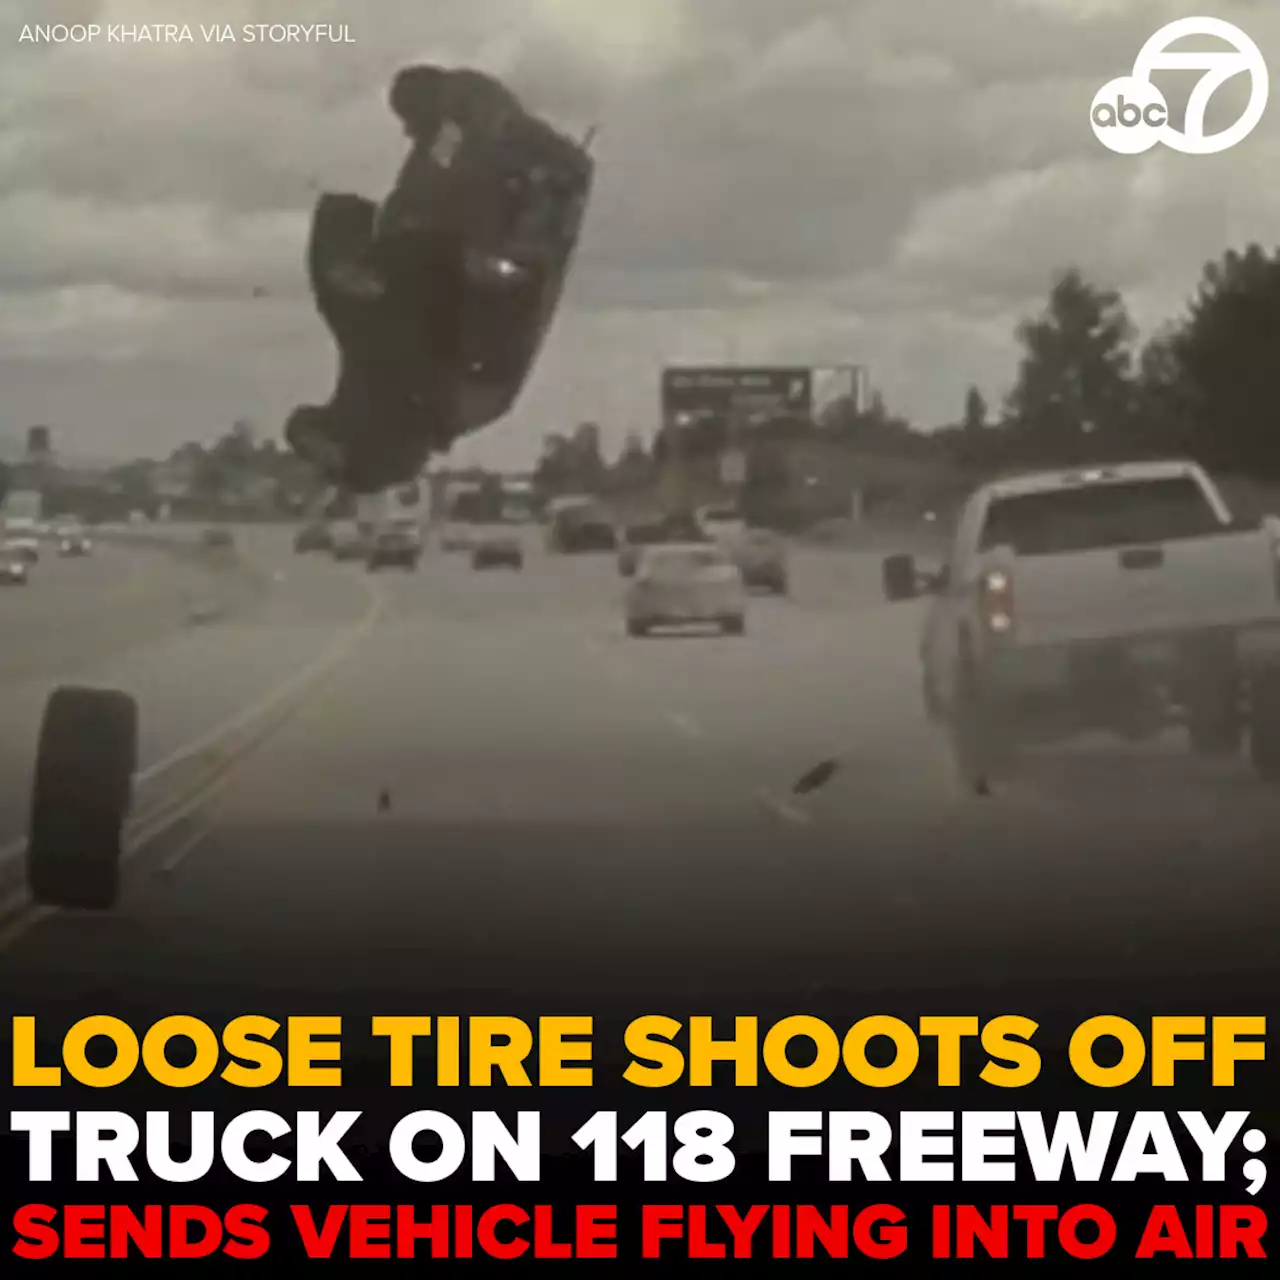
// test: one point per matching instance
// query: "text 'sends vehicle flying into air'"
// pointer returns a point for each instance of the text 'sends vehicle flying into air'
(440, 299)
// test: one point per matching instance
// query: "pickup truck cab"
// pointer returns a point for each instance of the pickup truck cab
(1121, 599)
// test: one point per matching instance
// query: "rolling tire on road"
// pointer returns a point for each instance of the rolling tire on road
(1264, 725)
(734, 626)
(637, 629)
(81, 796)
(979, 745)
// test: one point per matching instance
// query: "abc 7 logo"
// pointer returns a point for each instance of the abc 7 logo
(1130, 115)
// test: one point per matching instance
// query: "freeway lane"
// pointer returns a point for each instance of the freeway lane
(188, 677)
(570, 813)
(44, 622)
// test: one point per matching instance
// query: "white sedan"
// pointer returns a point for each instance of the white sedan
(677, 584)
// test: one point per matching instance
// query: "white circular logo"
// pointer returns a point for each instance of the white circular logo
(1129, 114)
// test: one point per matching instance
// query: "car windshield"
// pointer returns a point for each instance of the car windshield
(1105, 514)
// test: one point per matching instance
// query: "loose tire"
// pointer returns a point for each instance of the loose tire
(637, 629)
(734, 626)
(1264, 725)
(85, 762)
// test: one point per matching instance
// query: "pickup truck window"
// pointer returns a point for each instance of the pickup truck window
(1065, 520)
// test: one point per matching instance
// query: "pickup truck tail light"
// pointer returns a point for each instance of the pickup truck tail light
(996, 601)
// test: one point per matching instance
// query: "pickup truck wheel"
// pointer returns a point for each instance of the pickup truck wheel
(977, 742)
(80, 799)
(1264, 725)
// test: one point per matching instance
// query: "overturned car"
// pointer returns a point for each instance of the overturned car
(440, 299)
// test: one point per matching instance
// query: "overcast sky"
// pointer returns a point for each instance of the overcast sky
(884, 182)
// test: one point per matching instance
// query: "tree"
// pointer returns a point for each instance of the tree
(975, 411)
(134, 482)
(1217, 370)
(633, 469)
(587, 459)
(1074, 393)
(552, 472)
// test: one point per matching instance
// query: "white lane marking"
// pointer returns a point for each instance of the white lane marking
(184, 851)
(337, 652)
(784, 809)
(16, 929)
(685, 724)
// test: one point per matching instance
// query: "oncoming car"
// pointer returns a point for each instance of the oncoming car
(681, 584)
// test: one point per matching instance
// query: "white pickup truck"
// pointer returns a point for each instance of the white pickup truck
(1121, 598)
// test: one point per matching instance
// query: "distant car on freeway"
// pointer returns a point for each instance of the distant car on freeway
(761, 557)
(313, 537)
(73, 543)
(678, 584)
(498, 553)
(13, 571)
(398, 548)
(578, 529)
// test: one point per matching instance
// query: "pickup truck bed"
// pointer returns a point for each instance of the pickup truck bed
(1121, 599)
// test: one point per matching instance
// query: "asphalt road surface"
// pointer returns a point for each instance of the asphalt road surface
(499, 793)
